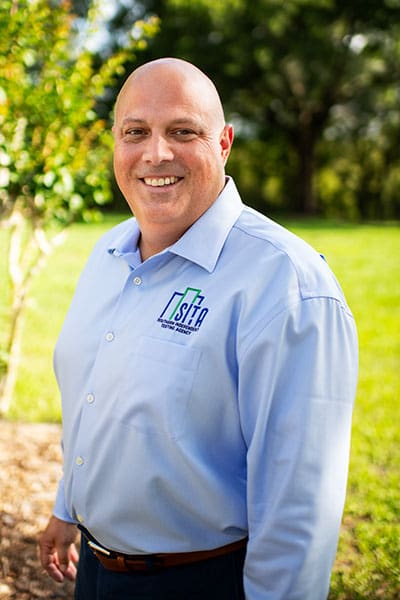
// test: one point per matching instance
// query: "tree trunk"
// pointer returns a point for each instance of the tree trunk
(306, 201)
(13, 351)
(18, 290)
(23, 264)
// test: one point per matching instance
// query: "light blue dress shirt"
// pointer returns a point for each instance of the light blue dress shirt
(207, 395)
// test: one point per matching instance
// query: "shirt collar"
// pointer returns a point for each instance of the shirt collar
(127, 241)
(203, 241)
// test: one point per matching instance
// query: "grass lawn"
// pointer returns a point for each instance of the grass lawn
(366, 260)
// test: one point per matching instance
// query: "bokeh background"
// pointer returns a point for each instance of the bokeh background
(313, 90)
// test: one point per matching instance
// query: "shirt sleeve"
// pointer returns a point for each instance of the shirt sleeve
(60, 510)
(296, 390)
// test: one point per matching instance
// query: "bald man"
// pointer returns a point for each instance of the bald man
(207, 368)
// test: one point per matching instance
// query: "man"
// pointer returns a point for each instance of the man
(208, 368)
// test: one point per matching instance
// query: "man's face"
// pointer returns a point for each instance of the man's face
(170, 150)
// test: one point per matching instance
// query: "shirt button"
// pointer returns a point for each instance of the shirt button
(109, 336)
(137, 280)
(80, 518)
(79, 461)
(90, 398)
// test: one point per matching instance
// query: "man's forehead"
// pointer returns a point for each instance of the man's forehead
(162, 107)
(162, 91)
(174, 90)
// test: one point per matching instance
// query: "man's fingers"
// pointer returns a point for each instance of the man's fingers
(55, 573)
(49, 558)
(68, 568)
(73, 554)
(60, 568)
(62, 553)
(57, 550)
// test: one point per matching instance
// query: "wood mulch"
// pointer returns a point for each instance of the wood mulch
(30, 466)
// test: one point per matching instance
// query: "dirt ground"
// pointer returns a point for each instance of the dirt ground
(30, 466)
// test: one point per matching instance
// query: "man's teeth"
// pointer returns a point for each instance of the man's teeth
(160, 181)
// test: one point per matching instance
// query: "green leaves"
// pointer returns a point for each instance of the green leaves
(51, 137)
(55, 151)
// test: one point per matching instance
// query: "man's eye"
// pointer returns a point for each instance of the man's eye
(184, 133)
(135, 132)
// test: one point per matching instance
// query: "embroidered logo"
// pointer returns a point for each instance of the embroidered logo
(184, 311)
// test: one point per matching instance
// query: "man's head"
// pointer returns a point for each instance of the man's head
(171, 146)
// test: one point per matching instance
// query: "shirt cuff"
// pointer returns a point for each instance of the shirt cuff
(60, 510)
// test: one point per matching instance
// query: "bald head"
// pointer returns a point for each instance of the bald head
(172, 72)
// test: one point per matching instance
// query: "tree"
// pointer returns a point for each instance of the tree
(54, 149)
(288, 73)
(301, 61)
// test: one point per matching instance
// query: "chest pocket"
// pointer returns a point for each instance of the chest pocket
(156, 387)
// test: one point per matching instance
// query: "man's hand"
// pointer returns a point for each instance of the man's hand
(58, 554)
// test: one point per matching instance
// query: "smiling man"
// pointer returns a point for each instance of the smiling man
(207, 368)
(171, 146)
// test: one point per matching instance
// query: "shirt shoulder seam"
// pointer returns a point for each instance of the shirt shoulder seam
(287, 308)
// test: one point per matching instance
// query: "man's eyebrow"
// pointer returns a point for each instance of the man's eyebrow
(173, 123)
(128, 120)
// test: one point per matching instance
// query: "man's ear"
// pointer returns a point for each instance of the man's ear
(226, 141)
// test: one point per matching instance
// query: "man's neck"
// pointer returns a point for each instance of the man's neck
(151, 245)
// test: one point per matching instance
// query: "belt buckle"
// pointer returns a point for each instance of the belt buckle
(147, 563)
(98, 548)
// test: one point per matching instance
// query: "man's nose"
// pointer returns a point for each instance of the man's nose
(157, 150)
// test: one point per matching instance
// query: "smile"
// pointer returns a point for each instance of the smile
(161, 181)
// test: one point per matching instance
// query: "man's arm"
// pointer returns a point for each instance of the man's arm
(58, 554)
(298, 378)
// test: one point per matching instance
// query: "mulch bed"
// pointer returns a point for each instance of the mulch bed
(30, 466)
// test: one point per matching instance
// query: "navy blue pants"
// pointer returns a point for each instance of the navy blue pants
(219, 578)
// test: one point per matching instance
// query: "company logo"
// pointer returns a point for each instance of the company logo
(184, 311)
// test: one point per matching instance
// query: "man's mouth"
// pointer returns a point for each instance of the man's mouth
(161, 181)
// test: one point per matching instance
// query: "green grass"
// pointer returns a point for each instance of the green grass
(366, 261)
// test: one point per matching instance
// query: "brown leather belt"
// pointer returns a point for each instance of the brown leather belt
(117, 561)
